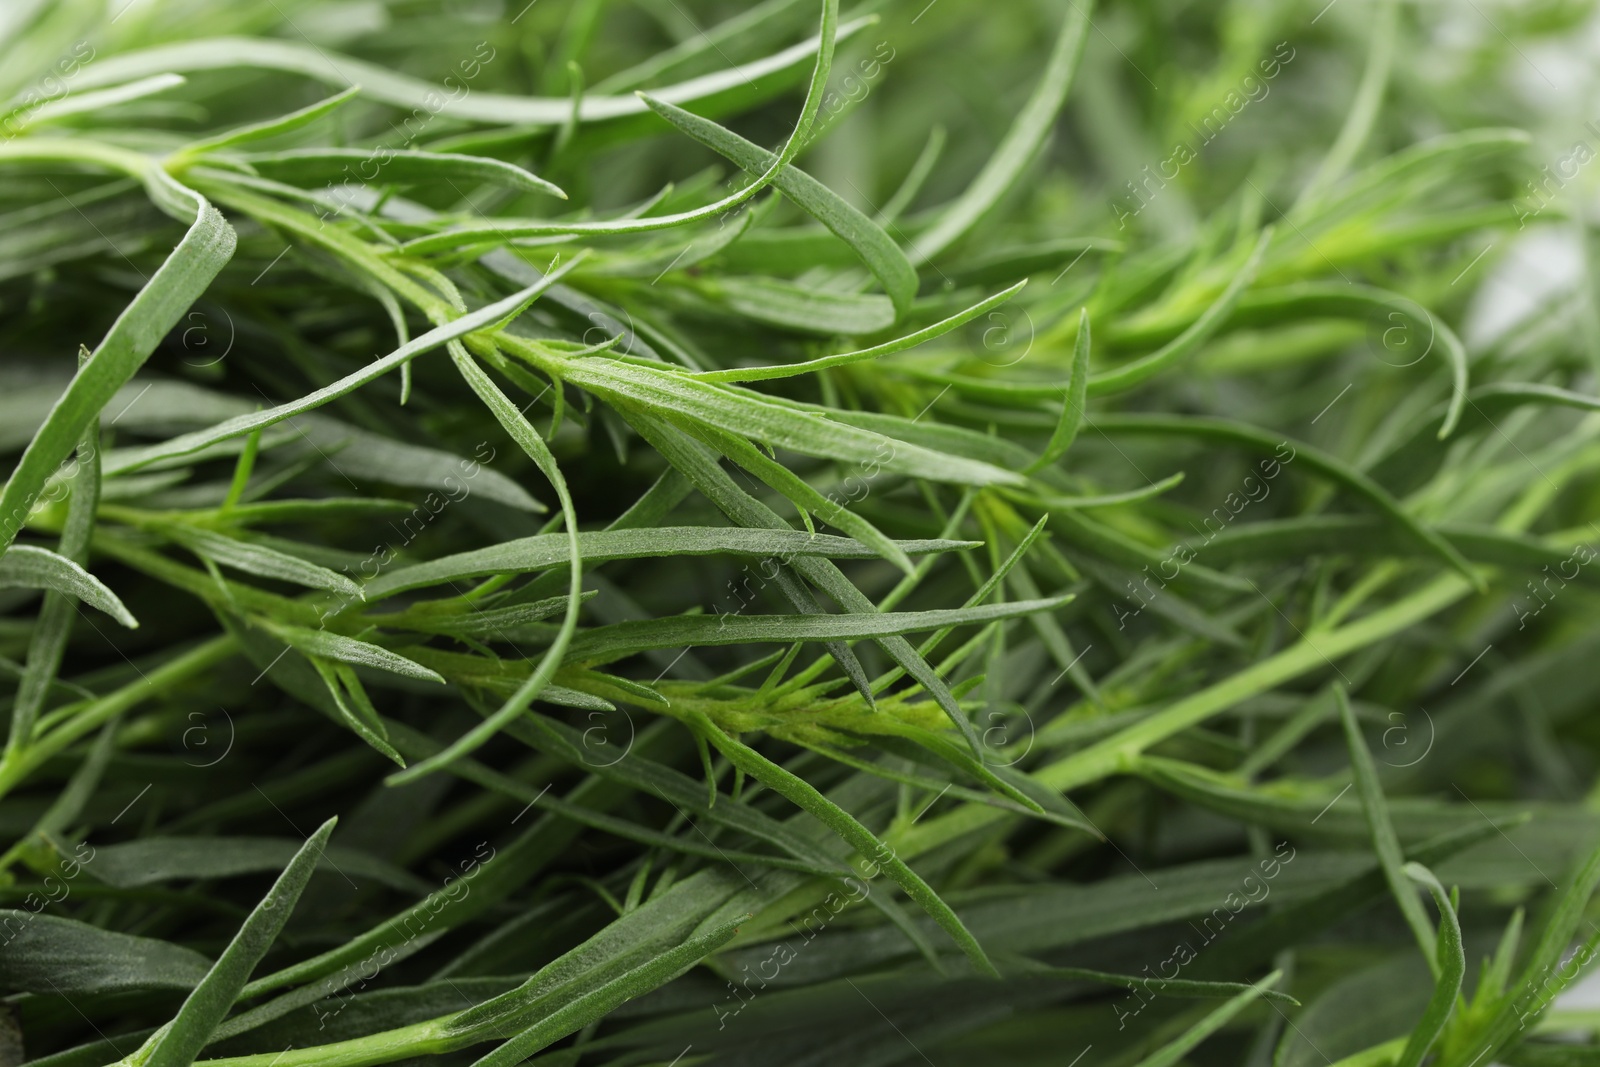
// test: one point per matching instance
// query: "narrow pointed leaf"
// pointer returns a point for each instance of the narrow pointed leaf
(212, 999)
(1022, 141)
(1384, 841)
(28, 567)
(875, 247)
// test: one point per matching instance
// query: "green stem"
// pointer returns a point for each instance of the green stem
(61, 150)
(418, 1039)
(1358, 124)
(16, 766)
(1117, 753)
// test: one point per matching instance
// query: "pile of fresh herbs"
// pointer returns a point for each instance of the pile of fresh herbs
(661, 532)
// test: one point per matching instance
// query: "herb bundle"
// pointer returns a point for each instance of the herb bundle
(654, 533)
